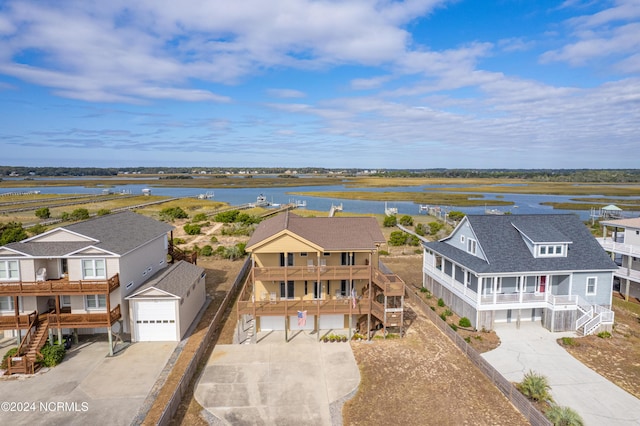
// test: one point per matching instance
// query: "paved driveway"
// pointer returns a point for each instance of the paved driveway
(96, 389)
(277, 383)
(532, 347)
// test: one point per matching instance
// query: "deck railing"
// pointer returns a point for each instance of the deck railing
(85, 320)
(294, 273)
(60, 286)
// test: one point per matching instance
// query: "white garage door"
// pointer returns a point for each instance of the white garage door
(271, 323)
(331, 322)
(155, 321)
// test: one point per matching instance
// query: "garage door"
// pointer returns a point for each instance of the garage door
(271, 323)
(155, 321)
(331, 321)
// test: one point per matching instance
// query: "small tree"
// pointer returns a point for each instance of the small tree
(397, 238)
(43, 213)
(390, 221)
(200, 217)
(12, 232)
(406, 220)
(103, 212)
(434, 227)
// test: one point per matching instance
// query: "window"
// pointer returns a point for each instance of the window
(348, 258)
(65, 301)
(462, 239)
(9, 270)
(286, 292)
(129, 285)
(289, 259)
(96, 301)
(550, 250)
(471, 246)
(591, 285)
(93, 268)
(303, 254)
(6, 303)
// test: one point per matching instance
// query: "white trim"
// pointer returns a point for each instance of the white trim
(8, 270)
(96, 298)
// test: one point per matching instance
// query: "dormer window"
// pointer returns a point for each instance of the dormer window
(551, 250)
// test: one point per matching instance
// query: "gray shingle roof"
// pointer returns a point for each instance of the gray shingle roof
(330, 233)
(176, 279)
(506, 250)
(117, 233)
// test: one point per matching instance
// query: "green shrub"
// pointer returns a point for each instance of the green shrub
(569, 341)
(200, 217)
(79, 214)
(447, 312)
(103, 212)
(464, 322)
(383, 253)
(43, 213)
(11, 232)
(178, 241)
(424, 290)
(173, 213)
(406, 220)
(420, 230)
(443, 317)
(440, 302)
(563, 416)
(206, 250)
(37, 229)
(455, 215)
(11, 352)
(434, 227)
(52, 355)
(453, 327)
(227, 217)
(398, 238)
(414, 241)
(467, 339)
(432, 308)
(213, 239)
(604, 335)
(192, 229)
(535, 386)
(390, 221)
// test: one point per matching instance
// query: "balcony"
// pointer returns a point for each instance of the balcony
(627, 249)
(312, 273)
(60, 286)
(64, 320)
(313, 307)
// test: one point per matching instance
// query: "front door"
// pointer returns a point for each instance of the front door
(542, 284)
(317, 290)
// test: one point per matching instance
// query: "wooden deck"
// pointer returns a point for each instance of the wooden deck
(313, 307)
(310, 273)
(60, 286)
(64, 320)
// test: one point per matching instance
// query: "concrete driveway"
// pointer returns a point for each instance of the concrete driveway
(532, 347)
(96, 389)
(278, 383)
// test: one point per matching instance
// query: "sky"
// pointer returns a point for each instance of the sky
(366, 84)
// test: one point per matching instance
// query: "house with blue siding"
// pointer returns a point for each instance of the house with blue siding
(514, 268)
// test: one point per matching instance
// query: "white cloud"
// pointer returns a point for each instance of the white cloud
(286, 93)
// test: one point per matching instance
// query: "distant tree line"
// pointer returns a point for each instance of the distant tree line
(545, 175)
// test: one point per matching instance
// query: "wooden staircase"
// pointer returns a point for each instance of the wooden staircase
(25, 361)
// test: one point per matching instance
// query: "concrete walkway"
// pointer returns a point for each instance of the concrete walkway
(532, 347)
(277, 383)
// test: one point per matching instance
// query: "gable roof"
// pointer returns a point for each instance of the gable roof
(117, 233)
(330, 233)
(174, 280)
(501, 238)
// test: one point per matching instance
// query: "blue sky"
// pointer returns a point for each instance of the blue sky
(297, 83)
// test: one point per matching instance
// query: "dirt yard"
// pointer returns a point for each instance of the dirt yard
(617, 357)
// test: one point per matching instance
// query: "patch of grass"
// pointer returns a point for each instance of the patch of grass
(604, 335)
(569, 341)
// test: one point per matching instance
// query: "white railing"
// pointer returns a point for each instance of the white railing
(624, 272)
(622, 248)
(583, 320)
(592, 325)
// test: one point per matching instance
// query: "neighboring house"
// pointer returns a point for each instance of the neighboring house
(624, 244)
(310, 273)
(78, 277)
(515, 268)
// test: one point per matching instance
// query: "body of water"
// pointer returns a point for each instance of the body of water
(523, 203)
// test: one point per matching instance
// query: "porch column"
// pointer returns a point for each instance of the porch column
(58, 316)
(480, 290)
(16, 309)
(547, 285)
(627, 281)
(494, 286)
(109, 325)
(370, 298)
(286, 275)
